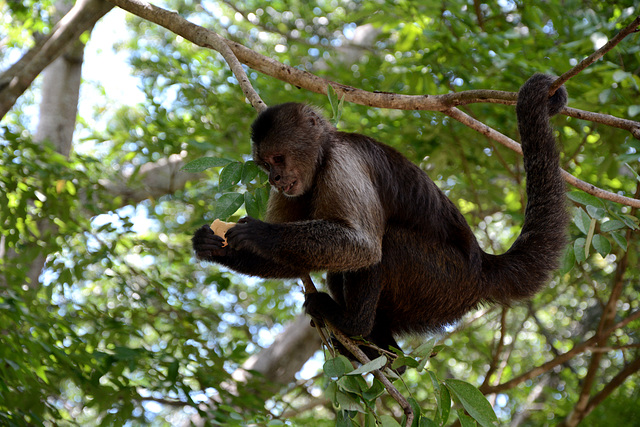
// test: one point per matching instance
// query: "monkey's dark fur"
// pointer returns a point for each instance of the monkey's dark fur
(399, 255)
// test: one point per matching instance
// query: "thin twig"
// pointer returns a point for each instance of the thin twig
(631, 28)
(310, 288)
(362, 358)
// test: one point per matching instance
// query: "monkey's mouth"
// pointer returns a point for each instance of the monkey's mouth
(288, 189)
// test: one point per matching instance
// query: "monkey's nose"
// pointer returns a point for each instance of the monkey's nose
(275, 179)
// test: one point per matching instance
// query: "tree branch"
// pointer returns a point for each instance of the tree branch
(154, 180)
(14, 81)
(563, 358)
(612, 385)
(310, 288)
(631, 28)
(579, 411)
(443, 103)
(510, 143)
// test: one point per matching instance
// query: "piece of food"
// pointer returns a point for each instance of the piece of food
(220, 229)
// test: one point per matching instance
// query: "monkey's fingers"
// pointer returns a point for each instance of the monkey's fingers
(316, 322)
(206, 244)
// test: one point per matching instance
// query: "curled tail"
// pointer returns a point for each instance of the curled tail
(527, 265)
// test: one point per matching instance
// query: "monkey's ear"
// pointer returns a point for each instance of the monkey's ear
(313, 117)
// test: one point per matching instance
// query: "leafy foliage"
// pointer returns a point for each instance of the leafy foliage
(123, 326)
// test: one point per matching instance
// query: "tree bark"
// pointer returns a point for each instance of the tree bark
(288, 353)
(60, 93)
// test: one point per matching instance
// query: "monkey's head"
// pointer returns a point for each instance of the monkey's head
(289, 143)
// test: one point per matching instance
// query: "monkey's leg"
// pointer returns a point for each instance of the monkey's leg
(355, 314)
(335, 283)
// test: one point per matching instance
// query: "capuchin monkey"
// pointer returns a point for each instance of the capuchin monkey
(400, 257)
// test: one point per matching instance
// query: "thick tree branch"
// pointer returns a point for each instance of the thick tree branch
(153, 180)
(291, 349)
(14, 81)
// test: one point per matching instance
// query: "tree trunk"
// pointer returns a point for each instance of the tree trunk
(285, 357)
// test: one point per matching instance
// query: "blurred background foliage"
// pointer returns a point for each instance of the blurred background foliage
(125, 327)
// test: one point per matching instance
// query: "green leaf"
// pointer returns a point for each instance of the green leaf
(611, 225)
(262, 199)
(585, 199)
(424, 350)
(228, 204)
(348, 402)
(444, 405)
(172, 372)
(230, 175)
(404, 361)
(337, 367)
(354, 384)
(633, 171)
(376, 390)
(417, 411)
(249, 172)
(204, 163)
(443, 400)
(473, 401)
(587, 244)
(578, 249)
(630, 221)
(568, 260)
(388, 421)
(581, 220)
(594, 212)
(251, 205)
(336, 105)
(343, 419)
(465, 420)
(426, 422)
(620, 240)
(602, 245)
(41, 372)
(377, 363)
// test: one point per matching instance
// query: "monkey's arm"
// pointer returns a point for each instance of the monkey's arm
(313, 245)
(208, 247)
(339, 227)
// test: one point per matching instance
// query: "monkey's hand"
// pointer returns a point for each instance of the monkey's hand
(251, 234)
(207, 245)
(316, 304)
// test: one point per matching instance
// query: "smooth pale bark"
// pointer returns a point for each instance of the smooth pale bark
(288, 353)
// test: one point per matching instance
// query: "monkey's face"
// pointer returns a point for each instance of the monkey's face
(289, 172)
(288, 143)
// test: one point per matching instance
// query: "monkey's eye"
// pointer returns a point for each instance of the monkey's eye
(278, 159)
